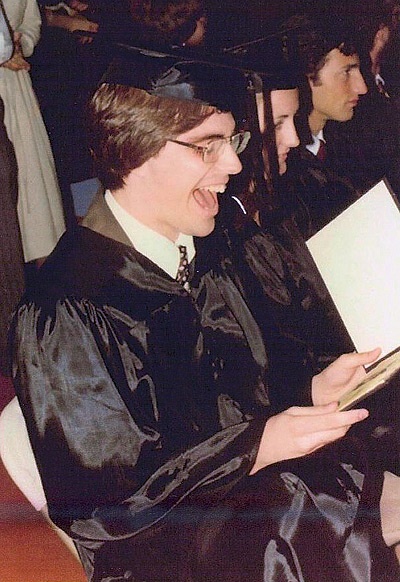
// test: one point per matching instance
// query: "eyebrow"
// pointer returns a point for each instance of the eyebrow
(209, 137)
(351, 67)
(286, 115)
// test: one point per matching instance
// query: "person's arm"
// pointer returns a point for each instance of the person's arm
(70, 23)
(30, 28)
(108, 464)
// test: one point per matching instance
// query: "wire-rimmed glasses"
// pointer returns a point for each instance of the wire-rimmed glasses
(213, 150)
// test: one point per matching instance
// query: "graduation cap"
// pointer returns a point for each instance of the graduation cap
(219, 78)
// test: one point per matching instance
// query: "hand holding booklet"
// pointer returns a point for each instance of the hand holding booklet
(358, 257)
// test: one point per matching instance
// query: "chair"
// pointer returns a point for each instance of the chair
(17, 457)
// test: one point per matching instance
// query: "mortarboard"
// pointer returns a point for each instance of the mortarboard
(218, 78)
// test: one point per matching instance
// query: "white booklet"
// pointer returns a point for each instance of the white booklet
(358, 256)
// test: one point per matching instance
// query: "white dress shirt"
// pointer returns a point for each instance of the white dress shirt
(314, 146)
(156, 247)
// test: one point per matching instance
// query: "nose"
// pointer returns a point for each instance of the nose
(359, 84)
(229, 161)
(292, 137)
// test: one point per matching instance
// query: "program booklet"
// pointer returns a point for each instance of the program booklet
(358, 257)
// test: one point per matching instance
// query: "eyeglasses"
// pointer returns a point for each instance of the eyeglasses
(212, 151)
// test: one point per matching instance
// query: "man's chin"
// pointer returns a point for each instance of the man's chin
(347, 115)
(205, 229)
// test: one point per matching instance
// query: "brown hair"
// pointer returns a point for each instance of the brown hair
(128, 126)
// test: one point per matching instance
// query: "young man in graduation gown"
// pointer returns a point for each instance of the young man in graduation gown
(143, 375)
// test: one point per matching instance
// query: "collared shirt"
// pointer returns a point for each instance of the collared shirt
(314, 146)
(6, 42)
(156, 247)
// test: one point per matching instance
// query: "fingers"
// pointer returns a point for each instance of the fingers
(326, 416)
(86, 25)
(300, 431)
(312, 410)
(313, 431)
(360, 358)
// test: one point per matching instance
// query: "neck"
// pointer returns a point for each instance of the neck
(316, 122)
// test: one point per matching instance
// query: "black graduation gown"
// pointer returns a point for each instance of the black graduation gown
(319, 191)
(145, 406)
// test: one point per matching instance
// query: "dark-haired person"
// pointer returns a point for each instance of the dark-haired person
(328, 51)
(143, 375)
(349, 133)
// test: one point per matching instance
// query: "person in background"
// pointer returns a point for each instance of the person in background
(385, 51)
(342, 153)
(40, 211)
(66, 68)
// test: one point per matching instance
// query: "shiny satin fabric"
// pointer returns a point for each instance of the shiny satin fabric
(145, 406)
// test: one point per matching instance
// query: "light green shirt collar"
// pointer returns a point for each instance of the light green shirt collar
(159, 249)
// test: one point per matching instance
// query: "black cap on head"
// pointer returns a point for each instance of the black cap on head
(177, 75)
(220, 79)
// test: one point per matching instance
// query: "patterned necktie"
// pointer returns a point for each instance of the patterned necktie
(321, 153)
(183, 270)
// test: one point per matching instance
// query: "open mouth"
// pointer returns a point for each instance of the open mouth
(207, 198)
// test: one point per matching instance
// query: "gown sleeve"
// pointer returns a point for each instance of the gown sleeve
(108, 465)
(30, 28)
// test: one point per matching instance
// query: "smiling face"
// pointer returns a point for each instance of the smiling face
(336, 90)
(175, 191)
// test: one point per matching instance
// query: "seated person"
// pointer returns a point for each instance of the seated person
(342, 153)
(143, 375)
